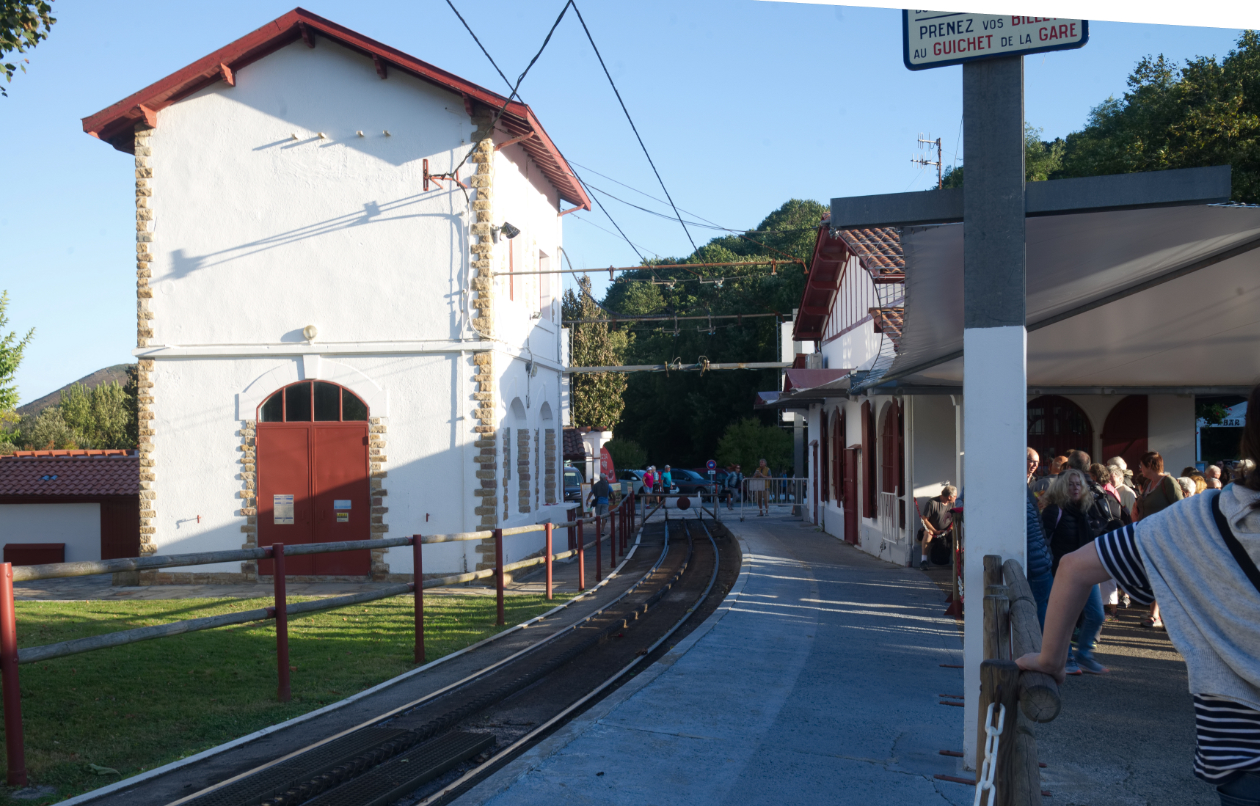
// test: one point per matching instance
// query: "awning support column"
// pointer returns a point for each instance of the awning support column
(994, 342)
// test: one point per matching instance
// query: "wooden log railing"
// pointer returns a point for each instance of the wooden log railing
(1011, 629)
(11, 656)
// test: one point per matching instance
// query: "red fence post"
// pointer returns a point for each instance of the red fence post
(548, 530)
(14, 741)
(612, 540)
(498, 572)
(417, 580)
(581, 550)
(282, 623)
(599, 542)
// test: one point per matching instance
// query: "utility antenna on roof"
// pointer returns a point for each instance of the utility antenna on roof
(925, 144)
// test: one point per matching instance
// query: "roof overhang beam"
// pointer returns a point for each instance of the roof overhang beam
(1135, 191)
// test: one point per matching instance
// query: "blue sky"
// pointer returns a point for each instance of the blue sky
(742, 104)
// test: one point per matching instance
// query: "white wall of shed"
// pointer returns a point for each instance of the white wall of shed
(76, 525)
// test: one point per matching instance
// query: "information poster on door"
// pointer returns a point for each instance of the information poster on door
(282, 509)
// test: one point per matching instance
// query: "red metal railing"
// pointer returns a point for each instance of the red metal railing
(11, 657)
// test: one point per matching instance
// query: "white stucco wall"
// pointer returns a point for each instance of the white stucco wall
(76, 525)
(331, 232)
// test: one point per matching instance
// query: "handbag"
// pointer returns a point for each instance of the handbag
(1235, 548)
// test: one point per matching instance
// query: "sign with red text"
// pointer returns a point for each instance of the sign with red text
(941, 38)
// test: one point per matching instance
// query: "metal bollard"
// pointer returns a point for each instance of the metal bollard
(14, 741)
(498, 573)
(417, 581)
(581, 550)
(282, 623)
(548, 530)
(599, 541)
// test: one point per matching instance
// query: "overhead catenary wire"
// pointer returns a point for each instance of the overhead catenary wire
(617, 92)
(665, 318)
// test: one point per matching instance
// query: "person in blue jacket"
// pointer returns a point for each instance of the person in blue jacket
(1038, 566)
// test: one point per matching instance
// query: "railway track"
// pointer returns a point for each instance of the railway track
(431, 750)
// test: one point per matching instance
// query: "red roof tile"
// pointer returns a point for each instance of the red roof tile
(890, 321)
(69, 475)
(878, 248)
(574, 445)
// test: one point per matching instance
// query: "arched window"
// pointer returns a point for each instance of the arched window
(1056, 425)
(313, 401)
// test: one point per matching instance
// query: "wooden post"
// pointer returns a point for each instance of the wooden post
(282, 623)
(14, 741)
(417, 579)
(498, 574)
(1038, 693)
(581, 550)
(549, 552)
(997, 626)
(999, 684)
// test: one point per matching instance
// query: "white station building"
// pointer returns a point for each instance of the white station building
(1131, 314)
(332, 343)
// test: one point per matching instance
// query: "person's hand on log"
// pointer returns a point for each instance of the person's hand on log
(1078, 572)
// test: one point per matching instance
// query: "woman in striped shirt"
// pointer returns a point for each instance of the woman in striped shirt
(1198, 559)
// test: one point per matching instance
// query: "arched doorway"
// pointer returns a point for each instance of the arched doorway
(1125, 430)
(312, 449)
(1056, 425)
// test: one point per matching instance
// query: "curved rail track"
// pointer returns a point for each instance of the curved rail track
(434, 748)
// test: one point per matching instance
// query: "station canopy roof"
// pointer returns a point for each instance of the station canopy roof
(1132, 300)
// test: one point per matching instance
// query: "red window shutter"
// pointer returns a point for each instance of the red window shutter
(838, 454)
(823, 466)
(868, 461)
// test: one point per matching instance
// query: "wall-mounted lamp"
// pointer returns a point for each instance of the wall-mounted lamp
(531, 369)
(310, 332)
(508, 231)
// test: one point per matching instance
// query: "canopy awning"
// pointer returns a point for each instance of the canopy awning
(1153, 298)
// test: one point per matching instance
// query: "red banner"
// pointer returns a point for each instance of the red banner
(606, 468)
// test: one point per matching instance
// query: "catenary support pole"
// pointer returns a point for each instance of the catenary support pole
(498, 574)
(417, 579)
(14, 740)
(283, 693)
(994, 340)
(550, 551)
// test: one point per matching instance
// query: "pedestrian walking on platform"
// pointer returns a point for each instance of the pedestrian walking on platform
(1066, 521)
(1197, 560)
(601, 492)
(762, 476)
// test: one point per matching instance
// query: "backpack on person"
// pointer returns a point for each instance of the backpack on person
(1106, 514)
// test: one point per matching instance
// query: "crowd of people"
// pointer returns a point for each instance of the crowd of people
(1102, 535)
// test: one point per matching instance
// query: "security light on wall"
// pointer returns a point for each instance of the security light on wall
(309, 332)
(508, 231)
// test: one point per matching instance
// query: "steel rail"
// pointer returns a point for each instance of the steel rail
(477, 674)
(511, 750)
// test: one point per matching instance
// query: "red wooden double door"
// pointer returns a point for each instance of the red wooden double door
(323, 465)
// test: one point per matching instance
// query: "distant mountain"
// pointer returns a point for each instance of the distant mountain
(118, 372)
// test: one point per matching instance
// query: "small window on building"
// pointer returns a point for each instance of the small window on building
(297, 403)
(273, 410)
(327, 402)
(331, 403)
(353, 410)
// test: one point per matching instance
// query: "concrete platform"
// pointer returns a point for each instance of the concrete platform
(815, 682)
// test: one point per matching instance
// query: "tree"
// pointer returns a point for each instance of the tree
(679, 417)
(101, 417)
(626, 453)
(1042, 160)
(747, 441)
(23, 25)
(48, 430)
(1206, 113)
(596, 398)
(11, 350)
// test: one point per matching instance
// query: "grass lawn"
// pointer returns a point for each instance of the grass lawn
(136, 707)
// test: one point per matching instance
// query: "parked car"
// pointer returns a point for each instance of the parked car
(573, 482)
(633, 480)
(689, 482)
